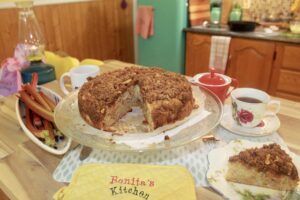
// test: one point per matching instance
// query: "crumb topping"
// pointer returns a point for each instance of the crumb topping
(155, 84)
(269, 158)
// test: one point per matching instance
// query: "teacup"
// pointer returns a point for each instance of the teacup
(220, 86)
(250, 106)
(78, 76)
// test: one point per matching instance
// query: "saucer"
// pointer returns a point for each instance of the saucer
(270, 124)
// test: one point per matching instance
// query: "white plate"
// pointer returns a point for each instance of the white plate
(62, 146)
(218, 161)
(271, 124)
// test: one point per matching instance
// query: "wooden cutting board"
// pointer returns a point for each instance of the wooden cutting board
(226, 8)
(199, 11)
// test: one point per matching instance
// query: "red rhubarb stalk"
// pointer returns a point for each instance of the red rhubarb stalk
(51, 139)
(38, 133)
(35, 107)
(33, 92)
(34, 80)
(49, 101)
(49, 127)
(37, 121)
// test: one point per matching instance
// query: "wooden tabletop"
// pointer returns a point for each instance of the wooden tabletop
(26, 170)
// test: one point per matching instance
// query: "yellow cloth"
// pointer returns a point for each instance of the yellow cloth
(129, 182)
(61, 64)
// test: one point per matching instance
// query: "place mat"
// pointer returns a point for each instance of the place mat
(192, 156)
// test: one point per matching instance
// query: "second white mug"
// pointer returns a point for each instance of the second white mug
(78, 76)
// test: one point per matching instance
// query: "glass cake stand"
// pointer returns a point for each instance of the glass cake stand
(136, 139)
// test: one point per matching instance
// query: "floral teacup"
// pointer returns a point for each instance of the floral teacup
(250, 106)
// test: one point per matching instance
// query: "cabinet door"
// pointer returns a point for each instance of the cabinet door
(285, 80)
(250, 62)
(197, 53)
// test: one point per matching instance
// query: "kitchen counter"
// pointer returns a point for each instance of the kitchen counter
(258, 34)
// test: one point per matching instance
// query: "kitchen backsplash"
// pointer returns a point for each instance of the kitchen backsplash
(259, 10)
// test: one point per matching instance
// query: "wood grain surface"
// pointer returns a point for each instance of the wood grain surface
(197, 53)
(26, 170)
(98, 29)
(285, 78)
(250, 62)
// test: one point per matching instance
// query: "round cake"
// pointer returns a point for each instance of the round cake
(165, 97)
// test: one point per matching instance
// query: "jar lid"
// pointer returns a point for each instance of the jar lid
(212, 78)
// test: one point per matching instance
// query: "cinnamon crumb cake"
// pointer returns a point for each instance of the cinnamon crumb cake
(164, 97)
(268, 166)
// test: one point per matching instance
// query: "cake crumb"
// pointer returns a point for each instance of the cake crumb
(167, 138)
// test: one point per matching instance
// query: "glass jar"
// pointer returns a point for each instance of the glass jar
(235, 14)
(215, 15)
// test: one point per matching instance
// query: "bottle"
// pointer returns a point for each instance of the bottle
(236, 13)
(215, 13)
(33, 43)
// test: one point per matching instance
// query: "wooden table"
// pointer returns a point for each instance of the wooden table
(26, 170)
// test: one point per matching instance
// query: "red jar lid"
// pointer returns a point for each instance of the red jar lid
(212, 78)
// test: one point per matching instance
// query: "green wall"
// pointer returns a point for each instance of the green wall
(166, 48)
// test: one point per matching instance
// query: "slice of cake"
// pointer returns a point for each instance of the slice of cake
(165, 97)
(268, 166)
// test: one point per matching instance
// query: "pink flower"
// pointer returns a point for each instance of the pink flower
(245, 116)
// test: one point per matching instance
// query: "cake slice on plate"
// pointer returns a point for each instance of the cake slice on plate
(268, 166)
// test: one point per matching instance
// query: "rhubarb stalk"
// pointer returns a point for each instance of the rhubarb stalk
(37, 121)
(49, 127)
(38, 133)
(34, 80)
(35, 107)
(32, 91)
(49, 101)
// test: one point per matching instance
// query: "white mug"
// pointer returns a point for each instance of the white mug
(250, 106)
(78, 76)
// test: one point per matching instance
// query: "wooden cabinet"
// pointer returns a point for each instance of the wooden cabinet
(197, 53)
(285, 81)
(270, 66)
(250, 62)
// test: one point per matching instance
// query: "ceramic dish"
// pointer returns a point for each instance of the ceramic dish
(62, 146)
(269, 125)
(218, 161)
(69, 121)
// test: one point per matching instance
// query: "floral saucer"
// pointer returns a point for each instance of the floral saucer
(268, 126)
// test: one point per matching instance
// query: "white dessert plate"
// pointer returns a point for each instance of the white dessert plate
(269, 125)
(218, 162)
(62, 146)
(136, 138)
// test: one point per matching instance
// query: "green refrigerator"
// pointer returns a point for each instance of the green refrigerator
(166, 48)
